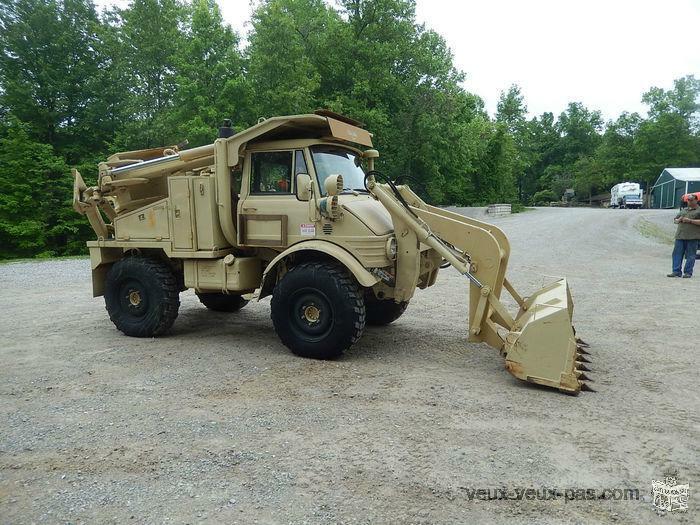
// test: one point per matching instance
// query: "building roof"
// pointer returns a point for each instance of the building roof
(684, 174)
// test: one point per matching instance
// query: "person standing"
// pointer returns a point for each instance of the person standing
(687, 238)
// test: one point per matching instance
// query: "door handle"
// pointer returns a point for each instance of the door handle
(245, 208)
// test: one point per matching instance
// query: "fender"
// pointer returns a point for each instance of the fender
(326, 248)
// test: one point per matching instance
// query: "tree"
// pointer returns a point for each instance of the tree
(35, 213)
(511, 111)
(150, 35)
(495, 178)
(49, 71)
(210, 77)
(540, 150)
(682, 100)
(579, 129)
(75, 86)
(288, 37)
(617, 156)
(671, 134)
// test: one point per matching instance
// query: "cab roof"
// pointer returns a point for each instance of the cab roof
(322, 124)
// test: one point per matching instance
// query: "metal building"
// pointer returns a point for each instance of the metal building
(672, 184)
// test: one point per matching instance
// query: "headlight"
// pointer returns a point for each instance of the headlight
(391, 248)
(328, 206)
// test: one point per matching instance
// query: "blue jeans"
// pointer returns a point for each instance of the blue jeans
(687, 249)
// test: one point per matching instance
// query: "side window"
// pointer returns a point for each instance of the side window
(299, 163)
(272, 172)
(236, 176)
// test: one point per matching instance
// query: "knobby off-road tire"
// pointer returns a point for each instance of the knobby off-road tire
(141, 296)
(318, 310)
(381, 312)
(221, 302)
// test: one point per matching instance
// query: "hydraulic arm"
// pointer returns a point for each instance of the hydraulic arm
(539, 343)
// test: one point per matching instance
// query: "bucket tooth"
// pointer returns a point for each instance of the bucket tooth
(586, 388)
(580, 366)
(582, 358)
(582, 343)
(582, 350)
(581, 376)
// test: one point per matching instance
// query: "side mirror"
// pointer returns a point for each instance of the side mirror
(370, 155)
(333, 185)
(303, 187)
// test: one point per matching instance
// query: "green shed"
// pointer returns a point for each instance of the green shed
(672, 184)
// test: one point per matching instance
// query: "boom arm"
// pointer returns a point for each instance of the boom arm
(540, 345)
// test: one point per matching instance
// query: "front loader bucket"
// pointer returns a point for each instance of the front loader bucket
(542, 347)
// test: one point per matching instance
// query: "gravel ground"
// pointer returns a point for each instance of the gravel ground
(218, 422)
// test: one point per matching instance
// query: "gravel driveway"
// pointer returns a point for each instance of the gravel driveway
(218, 422)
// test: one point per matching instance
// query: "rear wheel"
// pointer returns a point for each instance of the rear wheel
(318, 310)
(381, 312)
(221, 302)
(141, 296)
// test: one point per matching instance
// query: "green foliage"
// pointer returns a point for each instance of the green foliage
(48, 71)
(75, 86)
(150, 37)
(543, 198)
(518, 207)
(210, 83)
(35, 209)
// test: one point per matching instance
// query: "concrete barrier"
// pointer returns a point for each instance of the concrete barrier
(498, 210)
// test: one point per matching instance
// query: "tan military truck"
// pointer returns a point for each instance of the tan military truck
(293, 208)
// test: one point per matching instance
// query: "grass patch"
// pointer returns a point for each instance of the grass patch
(653, 231)
(519, 208)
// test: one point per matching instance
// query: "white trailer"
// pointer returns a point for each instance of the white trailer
(626, 195)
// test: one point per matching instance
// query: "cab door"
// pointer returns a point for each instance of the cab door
(270, 215)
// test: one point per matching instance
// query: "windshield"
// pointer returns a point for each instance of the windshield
(337, 161)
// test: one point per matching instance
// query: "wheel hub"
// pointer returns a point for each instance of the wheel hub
(134, 298)
(312, 314)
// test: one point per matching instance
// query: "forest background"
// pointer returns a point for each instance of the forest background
(77, 84)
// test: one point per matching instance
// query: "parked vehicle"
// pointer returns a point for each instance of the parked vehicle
(632, 201)
(626, 195)
(285, 208)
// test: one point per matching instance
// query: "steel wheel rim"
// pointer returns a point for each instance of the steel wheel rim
(133, 298)
(311, 314)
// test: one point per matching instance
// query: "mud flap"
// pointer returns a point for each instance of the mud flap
(542, 347)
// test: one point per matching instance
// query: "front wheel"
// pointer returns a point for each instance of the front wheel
(318, 310)
(141, 296)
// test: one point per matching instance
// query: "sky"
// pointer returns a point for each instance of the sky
(603, 53)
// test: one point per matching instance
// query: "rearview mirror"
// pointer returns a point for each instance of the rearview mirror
(303, 187)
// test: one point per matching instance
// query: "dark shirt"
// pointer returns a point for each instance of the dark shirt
(687, 231)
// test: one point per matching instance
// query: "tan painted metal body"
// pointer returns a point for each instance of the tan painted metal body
(198, 209)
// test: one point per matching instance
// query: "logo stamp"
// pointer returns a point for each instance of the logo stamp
(669, 496)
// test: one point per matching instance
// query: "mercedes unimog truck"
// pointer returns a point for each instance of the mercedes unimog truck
(294, 208)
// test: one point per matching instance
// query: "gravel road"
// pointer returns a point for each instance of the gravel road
(218, 422)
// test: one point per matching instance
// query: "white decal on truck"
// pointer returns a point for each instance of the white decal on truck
(308, 230)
